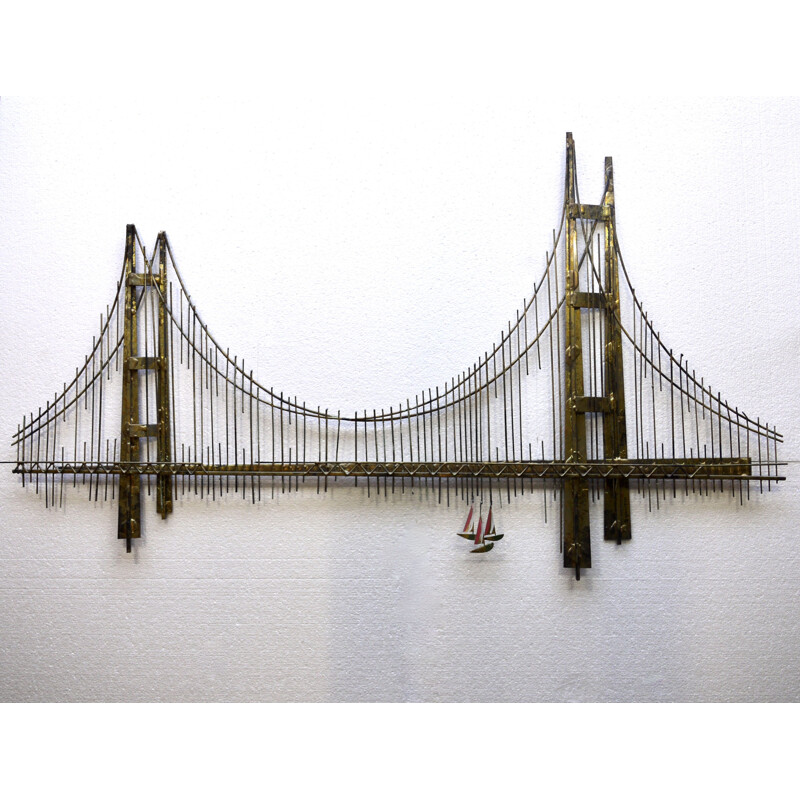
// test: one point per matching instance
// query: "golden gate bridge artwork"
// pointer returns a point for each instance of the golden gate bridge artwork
(579, 393)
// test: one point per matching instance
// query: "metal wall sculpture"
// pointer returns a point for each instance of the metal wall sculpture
(545, 404)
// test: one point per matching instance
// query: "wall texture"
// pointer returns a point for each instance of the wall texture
(353, 250)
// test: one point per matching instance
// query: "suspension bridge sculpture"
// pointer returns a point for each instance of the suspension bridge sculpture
(545, 404)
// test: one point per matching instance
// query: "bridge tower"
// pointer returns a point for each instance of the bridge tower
(610, 406)
(133, 429)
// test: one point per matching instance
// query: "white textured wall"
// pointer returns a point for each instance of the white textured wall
(353, 250)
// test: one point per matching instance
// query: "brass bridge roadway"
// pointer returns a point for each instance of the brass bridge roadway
(659, 468)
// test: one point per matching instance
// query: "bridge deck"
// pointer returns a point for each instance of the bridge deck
(637, 469)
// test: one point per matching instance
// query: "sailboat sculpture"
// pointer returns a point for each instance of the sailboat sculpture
(484, 537)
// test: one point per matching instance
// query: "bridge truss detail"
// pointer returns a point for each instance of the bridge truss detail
(191, 417)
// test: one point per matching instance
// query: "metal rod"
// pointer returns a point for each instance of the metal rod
(91, 433)
(252, 432)
(236, 427)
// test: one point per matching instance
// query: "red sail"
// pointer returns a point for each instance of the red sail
(479, 534)
(489, 522)
(469, 519)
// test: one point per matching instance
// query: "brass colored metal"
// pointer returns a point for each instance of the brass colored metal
(577, 546)
(592, 405)
(164, 486)
(652, 469)
(616, 496)
(133, 429)
(137, 279)
(588, 300)
(578, 210)
(471, 435)
(142, 431)
(130, 515)
(143, 362)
